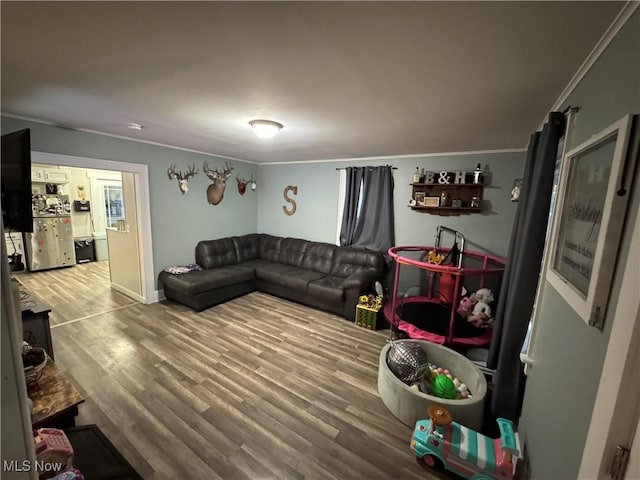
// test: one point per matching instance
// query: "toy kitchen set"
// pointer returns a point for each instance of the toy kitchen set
(51, 243)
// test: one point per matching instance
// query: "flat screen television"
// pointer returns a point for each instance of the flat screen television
(15, 162)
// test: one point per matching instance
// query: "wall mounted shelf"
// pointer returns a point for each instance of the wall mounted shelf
(465, 193)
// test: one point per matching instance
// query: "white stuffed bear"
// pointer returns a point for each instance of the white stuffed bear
(481, 315)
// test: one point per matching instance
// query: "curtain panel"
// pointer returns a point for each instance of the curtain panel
(522, 272)
(368, 216)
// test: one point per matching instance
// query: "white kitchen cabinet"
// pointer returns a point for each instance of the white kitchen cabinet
(37, 175)
(56, 175)
(50, 175)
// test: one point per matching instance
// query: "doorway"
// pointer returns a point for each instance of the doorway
(139, 184)
(107, 205)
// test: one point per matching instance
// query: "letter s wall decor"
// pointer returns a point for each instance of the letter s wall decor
(294, 190)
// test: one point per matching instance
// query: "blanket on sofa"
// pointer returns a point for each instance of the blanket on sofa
(179, 269)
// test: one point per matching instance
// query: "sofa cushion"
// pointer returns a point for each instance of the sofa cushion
(319, 257)
(327, 289)
(292, 251)
(216, 253)
(347, 261)
(286, 276)
(270, 247)
(255, 263)
(204, 280)
(247, 247)
(297, 279)
(270, 272)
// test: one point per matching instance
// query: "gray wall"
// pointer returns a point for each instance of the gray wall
(569, 355)
(178, 221)
(317, 200)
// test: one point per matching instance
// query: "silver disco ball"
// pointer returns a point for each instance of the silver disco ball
(408, 361)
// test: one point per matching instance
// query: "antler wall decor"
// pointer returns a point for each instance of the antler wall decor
(242, 185)
(215, 191)
(183, 178)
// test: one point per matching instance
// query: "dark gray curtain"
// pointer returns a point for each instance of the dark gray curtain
(521, 275)
(373, 229)
(350, 212)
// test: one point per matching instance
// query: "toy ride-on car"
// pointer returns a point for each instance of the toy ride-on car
(439, 442)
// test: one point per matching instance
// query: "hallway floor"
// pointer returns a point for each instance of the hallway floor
(75, 293)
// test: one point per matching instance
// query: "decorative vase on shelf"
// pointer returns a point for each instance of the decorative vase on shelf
(477, 175)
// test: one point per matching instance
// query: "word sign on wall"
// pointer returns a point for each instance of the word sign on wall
(458, 177)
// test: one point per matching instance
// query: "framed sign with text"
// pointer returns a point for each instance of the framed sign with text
(592, 202)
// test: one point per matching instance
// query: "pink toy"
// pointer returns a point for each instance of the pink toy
(407, 313)
(53, 448)
(466, 306)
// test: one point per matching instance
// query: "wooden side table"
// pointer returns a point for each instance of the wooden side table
(55, 399)
(35, 321)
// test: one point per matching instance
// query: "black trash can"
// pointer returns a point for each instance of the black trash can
(85, 250)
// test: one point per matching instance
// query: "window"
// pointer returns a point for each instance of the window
(106, 195)
(113, 203)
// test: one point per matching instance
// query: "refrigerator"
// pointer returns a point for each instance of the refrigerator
(51, 243)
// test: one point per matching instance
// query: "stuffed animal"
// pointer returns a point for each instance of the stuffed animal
(481, 315)
(466, 306)
(484, 295)
(433, 256)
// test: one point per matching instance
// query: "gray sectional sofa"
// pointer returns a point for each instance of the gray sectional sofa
(320, 275)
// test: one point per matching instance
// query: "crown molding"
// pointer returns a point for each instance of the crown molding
(625, 14)
(123, 137)
(399, 157)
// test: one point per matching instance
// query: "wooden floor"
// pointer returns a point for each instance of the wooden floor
(76, 292)
(256, 388)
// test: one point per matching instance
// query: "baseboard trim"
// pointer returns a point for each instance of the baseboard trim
(157, 296)
(127, 292)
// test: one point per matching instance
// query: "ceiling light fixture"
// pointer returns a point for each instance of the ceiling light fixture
(135, 126)
(265, 128)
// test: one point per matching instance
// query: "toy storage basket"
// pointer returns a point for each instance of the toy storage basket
(367, 317)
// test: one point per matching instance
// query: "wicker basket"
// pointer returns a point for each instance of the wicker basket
(33, 373)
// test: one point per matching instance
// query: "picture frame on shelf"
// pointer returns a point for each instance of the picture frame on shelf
(431, 201)
(419, 198)
(592, 201)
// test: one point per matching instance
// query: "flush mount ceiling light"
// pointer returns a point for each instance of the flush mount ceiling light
(265, 128)
(135, 126)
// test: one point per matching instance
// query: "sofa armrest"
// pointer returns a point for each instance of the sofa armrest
(355, 285)
(361, 279)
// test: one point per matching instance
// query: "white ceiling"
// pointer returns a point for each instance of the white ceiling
(346, 79)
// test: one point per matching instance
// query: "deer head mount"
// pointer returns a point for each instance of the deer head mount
(215, 191)
(183, 178)
(242, 185)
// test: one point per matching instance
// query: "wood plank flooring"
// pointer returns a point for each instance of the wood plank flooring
(256, 388)
(75, 292)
